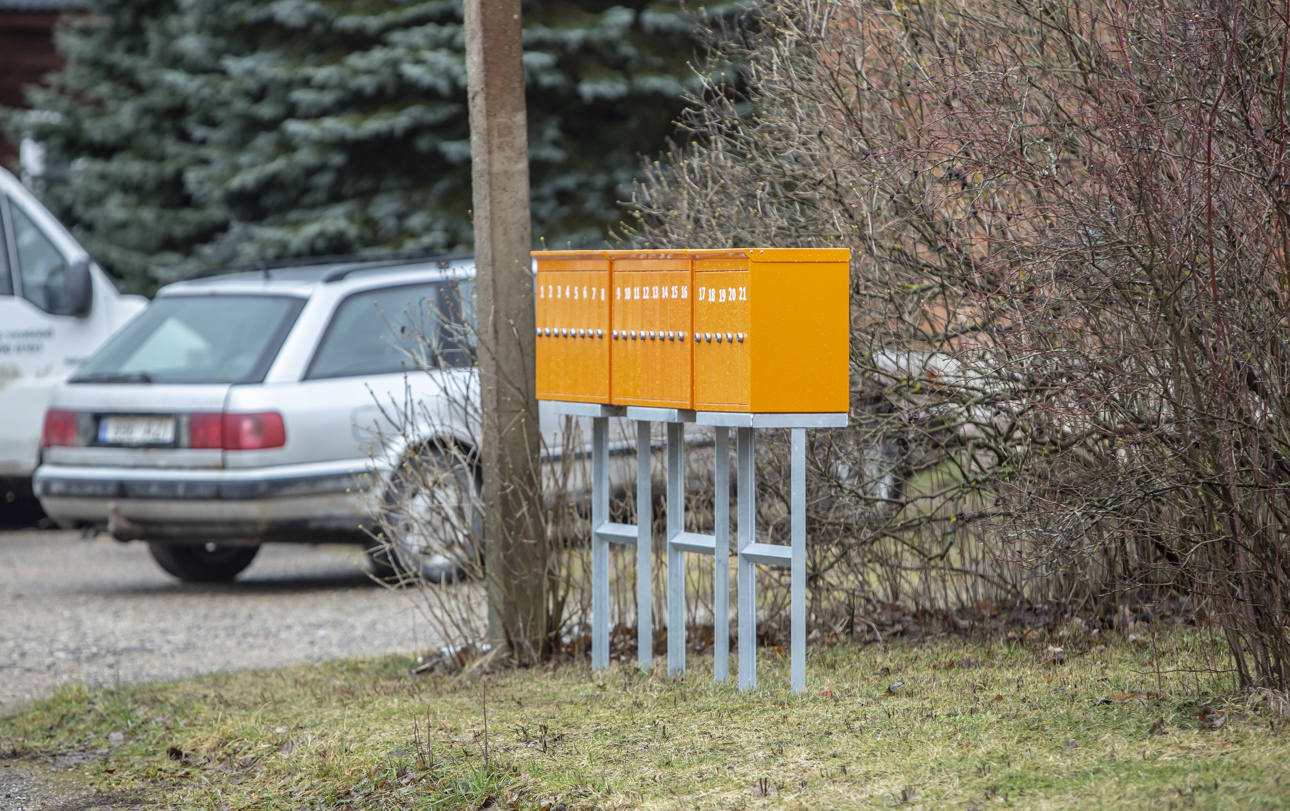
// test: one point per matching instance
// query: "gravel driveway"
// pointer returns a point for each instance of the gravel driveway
(100, 612)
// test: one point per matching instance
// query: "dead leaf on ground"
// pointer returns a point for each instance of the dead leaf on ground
(1210, 719)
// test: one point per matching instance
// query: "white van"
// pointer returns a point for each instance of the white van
(56, 307)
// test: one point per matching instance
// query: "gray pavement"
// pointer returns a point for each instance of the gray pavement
(100, 612)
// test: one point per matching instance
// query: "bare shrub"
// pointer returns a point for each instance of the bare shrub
(427, 530)
(1069, 285)
(901, 501)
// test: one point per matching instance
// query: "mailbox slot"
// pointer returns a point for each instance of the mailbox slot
(572, 326)
(650, 344)
(721, 332)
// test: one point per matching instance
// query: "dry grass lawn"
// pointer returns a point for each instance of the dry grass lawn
(946, 724)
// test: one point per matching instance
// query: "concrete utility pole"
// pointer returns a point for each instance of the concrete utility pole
(515, 551)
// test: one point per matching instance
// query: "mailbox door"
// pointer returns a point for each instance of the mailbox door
(651, 356)
(573, 328)
(723, 340)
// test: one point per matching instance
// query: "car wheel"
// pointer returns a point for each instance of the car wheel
(202, 563)
(430, 520)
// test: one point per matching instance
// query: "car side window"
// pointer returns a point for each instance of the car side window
(394, 329)
(41, 267)
(6, 274)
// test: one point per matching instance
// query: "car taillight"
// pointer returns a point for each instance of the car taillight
(246, 432)
(60, 428)
(237, 432)
(206, 431)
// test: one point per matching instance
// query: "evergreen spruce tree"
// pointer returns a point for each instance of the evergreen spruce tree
(199, 133)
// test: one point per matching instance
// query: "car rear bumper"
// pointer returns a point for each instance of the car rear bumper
(314, 502)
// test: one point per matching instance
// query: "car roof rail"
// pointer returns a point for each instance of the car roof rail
(443, 261)
(332, 267)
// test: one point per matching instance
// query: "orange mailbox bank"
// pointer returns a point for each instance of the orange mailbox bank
(572, 326)
(650, 329)
(753, 331)
(771, 329)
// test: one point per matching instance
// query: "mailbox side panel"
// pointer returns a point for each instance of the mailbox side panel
(651, 356)
(800, 299)
(572, 362)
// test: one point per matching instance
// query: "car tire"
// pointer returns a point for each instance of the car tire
(202, 563)
(419, 541)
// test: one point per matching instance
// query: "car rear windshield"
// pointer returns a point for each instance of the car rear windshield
(396, 329)
(196, 339)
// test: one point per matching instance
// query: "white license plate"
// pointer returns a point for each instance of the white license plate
(137, 430)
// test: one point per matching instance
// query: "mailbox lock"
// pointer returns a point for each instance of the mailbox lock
(718, 337)
(740, 336)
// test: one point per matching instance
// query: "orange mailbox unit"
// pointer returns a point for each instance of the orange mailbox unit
(753, 331)
(771, 329)
(572, 326)
(650, 329)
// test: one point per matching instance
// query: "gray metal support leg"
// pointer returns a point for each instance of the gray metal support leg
(797, 574)
(746, 516)
(675, 557)
(644, 550)
(721, 557)
(599, 546)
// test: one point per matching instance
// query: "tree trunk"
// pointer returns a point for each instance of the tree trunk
(515, 551)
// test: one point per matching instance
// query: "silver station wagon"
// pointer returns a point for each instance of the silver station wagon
(242, 408)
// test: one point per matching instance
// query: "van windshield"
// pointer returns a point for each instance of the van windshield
(196, 339)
